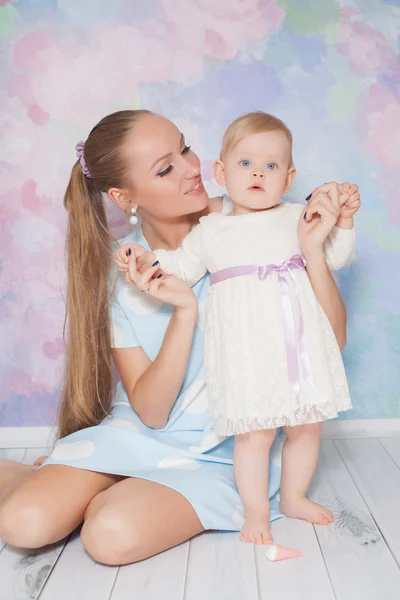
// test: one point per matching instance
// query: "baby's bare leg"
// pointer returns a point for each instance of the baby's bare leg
(251, 462)
(299, 461)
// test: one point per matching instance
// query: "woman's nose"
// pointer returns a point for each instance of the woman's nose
(192, 170)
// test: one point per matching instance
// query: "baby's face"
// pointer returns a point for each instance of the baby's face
(258, 171)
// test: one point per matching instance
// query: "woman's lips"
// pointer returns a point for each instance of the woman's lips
(197, 189)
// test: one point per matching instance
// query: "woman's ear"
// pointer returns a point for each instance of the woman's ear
(119, 197)
(290, 178)
(219, 172)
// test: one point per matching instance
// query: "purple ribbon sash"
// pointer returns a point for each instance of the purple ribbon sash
(296, 262)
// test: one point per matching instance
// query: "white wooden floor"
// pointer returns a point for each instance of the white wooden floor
(357, 557)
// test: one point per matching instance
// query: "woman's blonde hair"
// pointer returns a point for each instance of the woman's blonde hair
(249, 124)
(87, 391)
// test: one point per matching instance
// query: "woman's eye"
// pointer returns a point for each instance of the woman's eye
(185, 149)
(245, 163)
(271, 165)
(165, 172)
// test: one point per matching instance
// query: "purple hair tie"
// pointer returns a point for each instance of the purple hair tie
(79, 153)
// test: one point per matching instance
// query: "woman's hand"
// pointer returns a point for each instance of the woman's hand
(144, 258)
(349, 200)
(155, 283)
(318, 219)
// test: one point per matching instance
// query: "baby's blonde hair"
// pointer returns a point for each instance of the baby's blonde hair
(250, 123)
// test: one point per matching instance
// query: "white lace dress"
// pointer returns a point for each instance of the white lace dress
(246, 343)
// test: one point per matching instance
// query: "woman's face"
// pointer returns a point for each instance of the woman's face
(165, 172)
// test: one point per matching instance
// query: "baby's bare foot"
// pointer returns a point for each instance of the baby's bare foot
(303, 508)
(256, 529)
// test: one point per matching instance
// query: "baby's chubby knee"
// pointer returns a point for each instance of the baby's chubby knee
(310, 431)
(258, 437)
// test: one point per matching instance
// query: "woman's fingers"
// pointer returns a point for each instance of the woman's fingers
(132, 268)
(122, 255)
(121, 265)
(146, 277)
(154, 286)
(320, 211)
(121, 259)
(322, 205)
(142, 280)
(331, 189)
(146, 261)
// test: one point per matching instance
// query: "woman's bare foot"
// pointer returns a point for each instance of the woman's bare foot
(303, 508)
(256, 529)
(39, 461)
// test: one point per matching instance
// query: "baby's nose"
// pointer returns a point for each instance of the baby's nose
(258, 173)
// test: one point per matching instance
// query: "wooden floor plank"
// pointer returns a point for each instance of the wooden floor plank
(221, 567)
(16, 454)
(303, 578)
(360, 565)
(378, 480)
(392, 447)
(24, 573)
(76, 576)
(354, 558)
(162, 576)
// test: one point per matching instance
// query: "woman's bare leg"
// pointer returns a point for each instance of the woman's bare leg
(136, 519)
(40, 507)
(10, 469)
(124, 522)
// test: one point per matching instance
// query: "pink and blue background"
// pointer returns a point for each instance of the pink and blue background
(330, 69)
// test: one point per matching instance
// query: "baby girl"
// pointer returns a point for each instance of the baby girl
(271, 357)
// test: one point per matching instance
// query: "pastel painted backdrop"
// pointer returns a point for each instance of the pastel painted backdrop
(329, 68)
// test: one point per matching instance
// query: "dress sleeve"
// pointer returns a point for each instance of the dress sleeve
(188, 262)
(339, 247)
(122, 334)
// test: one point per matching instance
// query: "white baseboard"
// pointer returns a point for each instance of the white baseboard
(360, 428)
(27, 437)
(43, 437)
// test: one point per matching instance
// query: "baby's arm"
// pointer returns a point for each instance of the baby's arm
(339, 245)
(188, 262)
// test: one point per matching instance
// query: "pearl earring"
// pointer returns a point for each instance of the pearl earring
(133, 219)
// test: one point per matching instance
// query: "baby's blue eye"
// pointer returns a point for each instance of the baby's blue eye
(245, 163)
(271, 166)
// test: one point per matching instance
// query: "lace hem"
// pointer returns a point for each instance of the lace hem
(306, 414)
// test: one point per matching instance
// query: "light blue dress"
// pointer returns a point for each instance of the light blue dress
(186, 456)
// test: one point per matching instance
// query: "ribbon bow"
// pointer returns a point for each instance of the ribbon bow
(296, 262)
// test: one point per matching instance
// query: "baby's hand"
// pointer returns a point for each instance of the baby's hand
(144, 258)
(349, 204)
